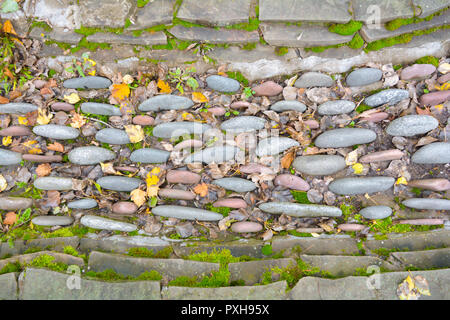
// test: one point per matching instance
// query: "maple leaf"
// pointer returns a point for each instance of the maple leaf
(43, 117)
(10, 218)
(43, 169)
(8, 28)
(163, 86)
(3, 183)
(135, 133)
(198, 97)
(7, 141)
(72, 98)
(120, 91)
(201, 189)
(138, 196)
(56, 146)
(77, 120)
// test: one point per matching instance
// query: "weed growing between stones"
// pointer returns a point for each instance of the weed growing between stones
(111, 275)
(47, 261)
(428, 60)
(147, 253)
(11, 267)
(73, 252)
(385, 252)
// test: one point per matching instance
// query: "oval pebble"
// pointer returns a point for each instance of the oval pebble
(319, 165)
(235, 184)
(385, 155)
(422, 222)
(15, 131)
(217, 111)
(166, 102)
(177, 129)
(314, 79)
(235, 203)
(8, 158)
(39, 158)
(17, 107)
(117, 183)
(427, 203)
(311, 124)
(434, 98)
(53, 183)
(15, 203)
(376, 117)
(124, 207)
(58, 132)
(300, 210)
(288, 105)
(436, 152)
(274, 145)
(430, 184)
(363, 77)
(150, 155)
(351, 227)
(246, 226)
(191, 143)
(90, 155)
(176, 194)
(217, 154)
(112, 136)
(336, 107)
(389, 96)
(243, 124)
(82, 204)
(292, 182)
(187, 213)
(222, 84)
(268, 88)
(376, 212)
(360, 185)
(345, 137)
(143, 120)
(102, 109)
(50, 221)
(182, 176)
(254, 168)
(88, 82)
(411, 125)
(62, 106)
(101, 223)
(417, 72)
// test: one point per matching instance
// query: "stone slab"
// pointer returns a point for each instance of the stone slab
(118, 244)
(41, 284)
(251, 271)
(57, 13)
(427, 259)
(146, 38)
(320, 246)
(59, 257)
(384, 10)
(273, 291)
(54, 244)
(212, 35)
(107, 13)
(429, 7)
(8, 286)
(154, 13)
(56, 34)
(251, 248)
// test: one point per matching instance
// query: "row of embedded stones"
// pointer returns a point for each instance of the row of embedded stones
(312, 165)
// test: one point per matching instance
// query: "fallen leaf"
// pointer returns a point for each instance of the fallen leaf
(325, 227)
(3, 183)
(201, 189)
(225, 223)
(120, 91)
(267, 235)
(77, 120)
(22, 120)
(163, 87)
(14, 94)
(287, 159)
(401, 180)
(135, 133)
(425, 140)
(3, 100)
(10, 218)
(412, 288)
(138, 196)
(358, 168)
(6, 141)
(351, 158)
(43, 117)
(56, 146)
(43, 169)
(198, 97)
(53, 199)
(46, 90)
(32, 147)
(128, 79)
(8, 28)
(152, 180)
(152, 191)
(8, 73)
(107, 168)
(425, 111)
(72, 98)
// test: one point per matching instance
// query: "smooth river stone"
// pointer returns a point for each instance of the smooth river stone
(268, 88)
(176, 194)
(15, 203)
(319, 165)
(217, 154)
(166, 102)
(376, 212)
(182, 176)
(143, 120)
(235, 184)
(235, 203)
(112, 136)
(95, 222)
(103, 109)
(385, 155)
(177, 129)
(285, 105)
(246, 226)
(17, 107)
(222, 84)
(243, 124)
(150, 155)
(375, 117)
(53, 183)
(254, 168)
(423, 222)
(352, 186)
(314, 79)
(417, 72)
(274, 145)
(89, 82)
(311, 124)
(363, 77)
(411, 125)
(427, 203)
(58, 132)
(187, 213)
(62, 106)
(336, 107)
(344, 137)
(124, 207)
(292, 182)
(430, 184)
(300, 210)
(351, 227)
(15, 131)
(389, 96)
(90, 155)
(82, 204)
(42, 159)
(436, 152)
(50, 221)
(117, 183)
(191, 143)
(433, 98)
(8, 158)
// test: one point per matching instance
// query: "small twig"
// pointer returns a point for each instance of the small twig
(97, 120)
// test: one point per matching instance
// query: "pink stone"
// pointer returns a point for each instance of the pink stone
(386, 155)
(268, 88)
(234, 203)
(143, 120)
(39, 84)
(239, 104)
(15, 131)
(430, 184)
(312, 124)
(182, 176)
(434, 98)
(376, 117)
(422, 222)
(351, 227)
(39, 158)
(246, 226)
(417, 71)
(310, 230)
(126, 168)
(292, 182)
(253, 168)
(290, 93)
(176, 194)
(62, 106)
(188, 144)
(443, 79)
(124, 207)
(217, 111)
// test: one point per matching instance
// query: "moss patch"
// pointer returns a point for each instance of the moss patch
(300, 196)
(346, 29)
(428, 60)
(397, 23)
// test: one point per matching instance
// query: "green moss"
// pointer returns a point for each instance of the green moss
(32, 250)
(142, 3)
(266, 250)
(73, 252)
(362, 107)
(90, 46)
(300, 196)
(291, 274)
(428, 60)
(385, 252)
(223, 257)
(142, 252)
(281, 51)
(251, 25)
(347, 211)
(299, 234)
(397, 67)
(164, 253)
(40, 24)
(222, 210)
(47, 261)
(249, 46)
(346, 29)
(151, 275)
(357, 42)
(111, 275)
(11, 267)
(385, 226)
(397, 23)
(186, 24)
(236, 75)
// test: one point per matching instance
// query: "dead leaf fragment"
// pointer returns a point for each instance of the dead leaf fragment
(77, 120)
(138, 196)
(120, 91)
(201, 189)
(198, 97)
(286, 161)
(135, 133)
(3, 183)
(43, 117)
(43, 169)
(56, 146)
(10, 218)
(163, 86)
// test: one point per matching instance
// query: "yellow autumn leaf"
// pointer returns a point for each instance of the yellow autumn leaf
(410, 282)
(7, 141)
(43, 117)
(163, 86)
(155, 170)
(152, 191)
(358, 168)
(91, 73)
(401, 180)
(187, 116)
(151, 179)
(72, 98)
(120, 91)
(445, 86)
(77, 120)
(135, 133)
(198, 97)
(3, 183)
(8, 28)
(138, 196)
(22, 120)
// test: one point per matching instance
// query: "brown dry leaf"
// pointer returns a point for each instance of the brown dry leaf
(56, 146)
(120, 91)
(3, 183)
(10, 218)
(138, 196)
(163, 86)
(325, 227)
(43, 117)
(8, 28)
(30, 118)
(53, 199)
(201, 189)
(425, 140)
(32, 147)
(267, 235)
(3, 100)
(108, 168)
(14, 94)
(77, 120)
(135, 133)
(8, 73)
(43, 169)
(301, 137)
(152, 191)
(286, 161)
(198, 97)
(425, 111)
(46, 90)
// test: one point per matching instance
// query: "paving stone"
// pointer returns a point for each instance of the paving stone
(436, 258)
(17, 107)
(82, 204)
(376, 212)
(111, 13)
(333, 245)
(90, 155)
(222, 84)
(411, 125)
(428, 7)
(273, 291)
(103, 109)
(305, 36)
(235, 184)
(427, 204)
(363, 10)
(251, 271)
(58, 13)
(154, 13)
(166, 102)
(56, 34)
(300, 210)
(51, 221)
(238, 248)
(336, 107)
(132, 266)
(8, 286)
(53, 183)
(41, 284)
(389, 96)
(217, 154)
(436, 152)
(189, 213)
(412, 241)
(284, 105)
(149, 155)
(363, 77)
(144, 39)
(55, 131)
(55, 244)
(88, 82)
(215, 13)
(58, 257)
(243, 124)
(319, 165)
(304, 10)
(8, 158)
(274, 145)
(360, 185)
(112, 136)
(15, 203)
(344, 137)
(118, 183)
(215, 36)
(96, 222)
(177, 129)
(314, 79)
(122, 244)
